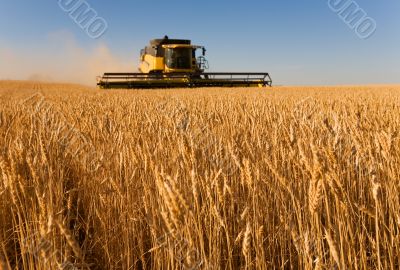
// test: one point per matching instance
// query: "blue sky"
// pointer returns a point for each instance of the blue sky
(298, 42)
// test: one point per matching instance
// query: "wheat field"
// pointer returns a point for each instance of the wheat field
(275, 178)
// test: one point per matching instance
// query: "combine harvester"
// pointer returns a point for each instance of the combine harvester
(171, 63)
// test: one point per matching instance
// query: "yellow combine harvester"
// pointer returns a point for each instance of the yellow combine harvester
(168, 63)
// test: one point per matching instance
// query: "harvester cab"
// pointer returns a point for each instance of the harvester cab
(167, 63)
(172, 56)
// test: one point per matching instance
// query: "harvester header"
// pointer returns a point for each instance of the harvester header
(169, 63)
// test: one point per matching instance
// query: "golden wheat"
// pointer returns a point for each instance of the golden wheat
(281, 178)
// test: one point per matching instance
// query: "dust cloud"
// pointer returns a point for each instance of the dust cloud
(61, 59)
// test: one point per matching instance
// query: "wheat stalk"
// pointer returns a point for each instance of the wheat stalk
(333, 249)
(246, 240)
(70, 239)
